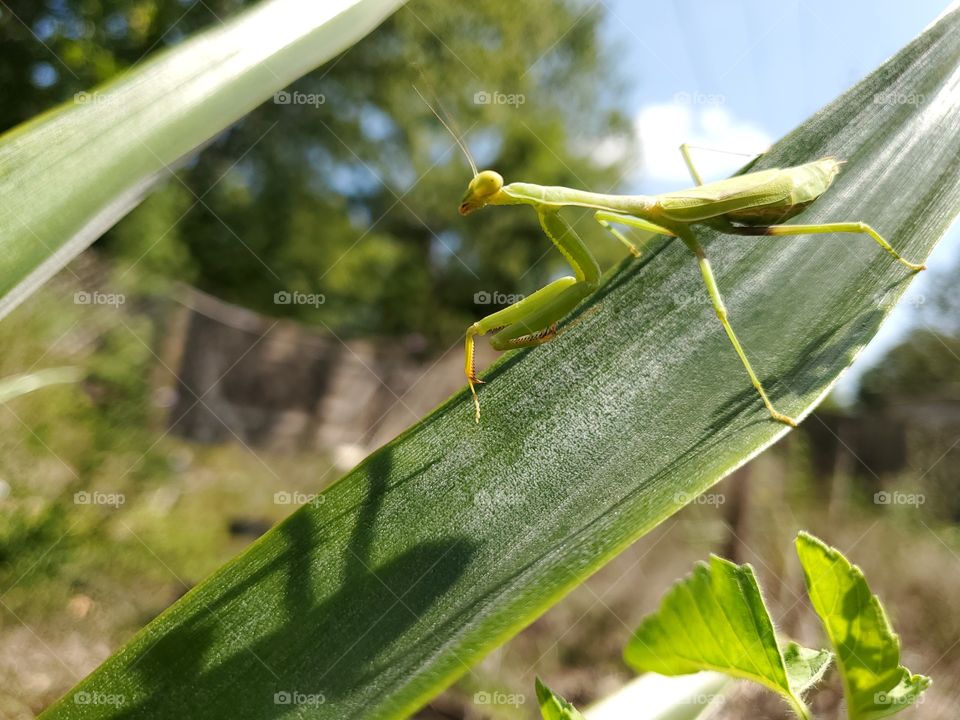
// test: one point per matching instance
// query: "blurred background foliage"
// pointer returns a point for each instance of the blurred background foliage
(331, 198)
(310, 197)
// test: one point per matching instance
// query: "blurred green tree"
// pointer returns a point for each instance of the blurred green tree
(914, 391)
(350, 190)
(923, 367)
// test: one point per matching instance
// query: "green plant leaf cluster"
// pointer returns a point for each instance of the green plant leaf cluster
(716, 619)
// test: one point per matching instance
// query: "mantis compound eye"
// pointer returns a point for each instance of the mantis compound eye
(487, 183)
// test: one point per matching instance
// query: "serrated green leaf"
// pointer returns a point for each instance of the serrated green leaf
(868, 651)
(715, 619)
(554, 707)
(455, 536)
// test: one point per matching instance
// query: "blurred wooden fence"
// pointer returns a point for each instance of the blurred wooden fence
(242, 376)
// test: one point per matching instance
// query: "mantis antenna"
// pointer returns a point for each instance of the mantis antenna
(723, 151)
(447, 125)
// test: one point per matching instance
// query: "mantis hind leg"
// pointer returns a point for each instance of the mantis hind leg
(721, 310)
(845, 227)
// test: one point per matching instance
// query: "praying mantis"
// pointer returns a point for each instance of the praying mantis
(752, 204)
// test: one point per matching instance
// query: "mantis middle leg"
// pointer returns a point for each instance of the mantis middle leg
(685, 151)
(694, 173)
(605, 217)
(720, 308)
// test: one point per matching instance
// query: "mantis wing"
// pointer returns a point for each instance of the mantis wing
(767, 187)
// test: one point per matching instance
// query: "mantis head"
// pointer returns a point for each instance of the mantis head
(484, 186)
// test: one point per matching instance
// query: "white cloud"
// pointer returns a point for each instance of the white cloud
(662, 127)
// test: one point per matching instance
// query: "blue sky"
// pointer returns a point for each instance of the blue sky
(738, 75)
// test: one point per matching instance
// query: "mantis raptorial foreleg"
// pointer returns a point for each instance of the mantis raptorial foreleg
(533, 320)
(515, 321)
(846, 227)
(720, 308)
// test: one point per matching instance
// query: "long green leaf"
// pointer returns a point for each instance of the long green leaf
(868, 651)
(16, 385)
(70, 174)
(401, 579)
(715, 619)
